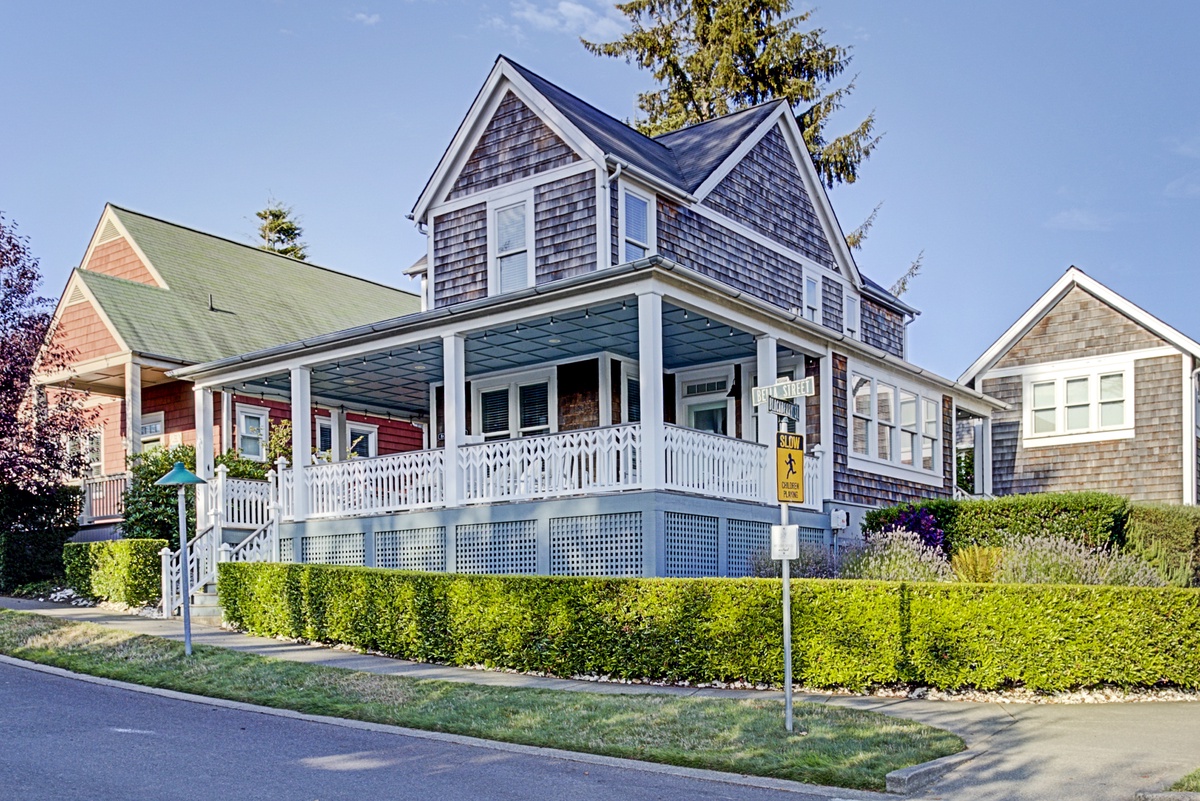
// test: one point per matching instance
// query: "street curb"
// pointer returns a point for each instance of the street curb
(835, 793)
(906, 780)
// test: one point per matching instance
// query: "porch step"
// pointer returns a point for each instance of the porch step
(207, 615)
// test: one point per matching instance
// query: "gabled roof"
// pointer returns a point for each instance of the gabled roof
(703, 147)
(225, 297)
(1072, 278)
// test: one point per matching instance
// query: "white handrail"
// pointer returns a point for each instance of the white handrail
(581, 462)
(201, 566)
(711, 464)
(258, 546)
(396, 482)
(246, 502)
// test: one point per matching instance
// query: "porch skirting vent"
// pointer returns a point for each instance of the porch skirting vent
(505, 548)
(691, 542)
(333, 549)
(412, 549)
(597, 545)
(746, 538)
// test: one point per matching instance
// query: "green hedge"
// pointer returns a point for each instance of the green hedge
(1169, 538)
(1091, 518)
(126, 571)
(33, 528)
(847, 633)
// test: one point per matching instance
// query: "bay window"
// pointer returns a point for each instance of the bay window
(893, 424)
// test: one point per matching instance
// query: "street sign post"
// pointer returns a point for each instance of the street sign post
(785, 546)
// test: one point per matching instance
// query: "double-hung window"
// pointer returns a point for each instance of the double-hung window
(1092, 402)
(812, 299)
(362, 439)
(252, 427)
(637, 224)
(512, 247)
(513, 410)
(88, 448)
(893, 424)
(851, 323)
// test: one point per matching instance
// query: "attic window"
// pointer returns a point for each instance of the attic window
(511, 245)
(637, 223)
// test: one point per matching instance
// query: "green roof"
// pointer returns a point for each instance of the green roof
(258, 299)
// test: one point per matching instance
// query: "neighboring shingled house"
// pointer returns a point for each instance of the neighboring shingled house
(598, 307)
(150, 296)
(1102, 395)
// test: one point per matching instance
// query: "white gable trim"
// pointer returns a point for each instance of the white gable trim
(739, 153)
(1074, 277)
(503, 78)
(76, 284)
(110, 216)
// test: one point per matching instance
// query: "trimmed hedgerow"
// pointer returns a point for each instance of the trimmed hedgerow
(1168, 537)
(847, 633)
(126, 571)
(1093, 519)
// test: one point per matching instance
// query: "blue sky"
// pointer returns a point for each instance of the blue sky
(1021, 137)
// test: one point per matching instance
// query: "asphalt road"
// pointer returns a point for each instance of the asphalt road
(63, 739)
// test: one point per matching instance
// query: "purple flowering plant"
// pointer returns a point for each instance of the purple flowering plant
(922, 523)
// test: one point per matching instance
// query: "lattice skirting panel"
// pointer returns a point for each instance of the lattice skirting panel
(286, 552)
(747, 538)
(412, 549)
(333, 549)
(813, 535)
(691, 545)
(597, 545)
(509, 547)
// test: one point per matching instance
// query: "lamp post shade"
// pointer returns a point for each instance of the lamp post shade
(179, 475)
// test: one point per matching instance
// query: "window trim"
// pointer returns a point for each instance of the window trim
(623, 188)
(1059, 375)
(371, 429)
(150, 419)
(870, 461)
(494, 207)
(513, 382)
(684, 402)
(813, 301)
(243, 409)
(851, 302)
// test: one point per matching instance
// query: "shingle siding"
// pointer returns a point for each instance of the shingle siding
(765, 192)
(1148, 467)
(882, 327)
(831, 304)
(1079, 326)
(565, 227)
(515, 145)
(858, 486)
(460, 255)
(715, 251)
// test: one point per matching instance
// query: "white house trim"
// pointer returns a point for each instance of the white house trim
(1074, 277)
(1086, 363)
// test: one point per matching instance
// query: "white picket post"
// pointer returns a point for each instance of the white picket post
(167, 600)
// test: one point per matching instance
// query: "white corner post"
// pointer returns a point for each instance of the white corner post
(767, 369)
(133, 408)
(650, 382)
(226, 421)
(454, 372)
(301, 379)
(337, 433)
(983, 456)
(827, 426)
(204, 454)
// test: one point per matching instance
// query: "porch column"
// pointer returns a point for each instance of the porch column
(768, 372)
(226, 421)
(827, 425)
(204, 452)
(337, 434)
(301, 440)
(650, 382)
(983, 457)
(454, 372)
(133, 408)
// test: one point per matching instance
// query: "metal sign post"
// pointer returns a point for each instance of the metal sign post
(785, 538)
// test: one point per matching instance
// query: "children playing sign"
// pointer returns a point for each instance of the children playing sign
(789, 467)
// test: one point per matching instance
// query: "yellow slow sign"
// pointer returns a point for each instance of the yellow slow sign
(789, 467)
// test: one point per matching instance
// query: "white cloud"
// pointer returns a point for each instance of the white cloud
(567, 16)
(365, 19)
(503, 26)
(1187, 186)
(1081, 220)
(1186, 147)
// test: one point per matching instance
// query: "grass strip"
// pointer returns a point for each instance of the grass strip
(831, 746)
(1189, 783)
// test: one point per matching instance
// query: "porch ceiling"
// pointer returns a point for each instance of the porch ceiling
(398, 379)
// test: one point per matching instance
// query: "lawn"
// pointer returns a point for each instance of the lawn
(1189, 783)
(830, 745)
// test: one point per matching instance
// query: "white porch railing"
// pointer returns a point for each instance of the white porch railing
(814, 491)
(201, 565)
(711, 464)
(247, 503)
(399, 481)
(581, 462)
(261, 545)
(103, 498)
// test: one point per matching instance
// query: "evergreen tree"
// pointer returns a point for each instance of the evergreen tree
(280, 231)
(713, 57)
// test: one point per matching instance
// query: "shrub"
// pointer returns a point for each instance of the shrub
(1093, 519)
(1054, 560)
(815, 561)
(897, 555)
(920, 521)
(125, 571)
(152, 512)
(847, 633)
(977, 564)
(33, 528)
(1168, 537)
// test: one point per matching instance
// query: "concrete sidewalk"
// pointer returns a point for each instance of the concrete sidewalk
(1025, 752)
